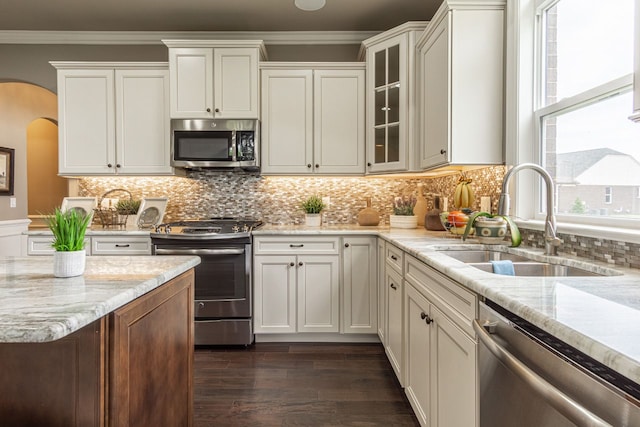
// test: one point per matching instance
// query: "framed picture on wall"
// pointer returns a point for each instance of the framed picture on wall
(6, 171)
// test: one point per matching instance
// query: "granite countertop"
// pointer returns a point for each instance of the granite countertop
(37, 307)
(598, 315)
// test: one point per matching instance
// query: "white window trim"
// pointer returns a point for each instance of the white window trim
(521, 128)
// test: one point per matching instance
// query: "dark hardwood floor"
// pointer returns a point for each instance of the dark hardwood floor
(298, 384)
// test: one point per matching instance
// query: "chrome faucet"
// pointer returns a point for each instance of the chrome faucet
(551, 241)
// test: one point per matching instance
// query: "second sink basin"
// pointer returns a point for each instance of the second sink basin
(523, 266)
(470, 256)
(539, 269)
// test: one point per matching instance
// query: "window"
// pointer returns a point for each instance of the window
(608, 195)
(584, 99)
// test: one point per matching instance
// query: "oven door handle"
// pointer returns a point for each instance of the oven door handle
(222, 251)
(556, 398)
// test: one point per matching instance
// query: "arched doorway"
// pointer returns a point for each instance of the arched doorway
(45, 189)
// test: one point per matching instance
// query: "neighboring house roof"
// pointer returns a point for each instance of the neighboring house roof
(601, 166)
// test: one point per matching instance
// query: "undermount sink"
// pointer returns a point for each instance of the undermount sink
(470, 256)
(539, 269)
(523, 266)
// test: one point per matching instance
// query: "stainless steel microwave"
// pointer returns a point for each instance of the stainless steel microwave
(215, 143)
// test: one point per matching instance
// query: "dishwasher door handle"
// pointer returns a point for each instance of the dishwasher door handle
(229, 251)
(556, 398)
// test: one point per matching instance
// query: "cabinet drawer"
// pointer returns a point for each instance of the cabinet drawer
(394, 257)
(121, 246)
(458, 303)
(303, 245)
(41, 245)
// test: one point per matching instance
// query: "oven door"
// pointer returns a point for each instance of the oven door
(222, 282)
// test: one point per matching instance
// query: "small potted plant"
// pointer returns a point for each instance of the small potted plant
(492, 229)
(312, 208)
(126, 208)
(68, 230)
(403, 216)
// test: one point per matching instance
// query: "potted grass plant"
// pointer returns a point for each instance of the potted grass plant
(312, 208)
(68, 230)
(403, 216)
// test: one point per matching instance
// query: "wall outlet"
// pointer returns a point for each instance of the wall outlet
(327, 201)
(12, 202)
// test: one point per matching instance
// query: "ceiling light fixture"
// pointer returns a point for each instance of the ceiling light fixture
(310, 5)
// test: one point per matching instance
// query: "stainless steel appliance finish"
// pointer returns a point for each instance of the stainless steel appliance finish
(531, 379)
(215, 143)
(223, 300)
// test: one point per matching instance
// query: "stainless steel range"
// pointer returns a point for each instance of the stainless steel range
(223, 303)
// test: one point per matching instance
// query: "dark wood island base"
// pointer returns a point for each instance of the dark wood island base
(133, 367)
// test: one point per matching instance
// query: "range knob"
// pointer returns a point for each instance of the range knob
(167, 229)
(235, 228)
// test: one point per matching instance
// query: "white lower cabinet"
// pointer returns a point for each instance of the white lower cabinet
(394, 330)
(113, 244)
(359, 279)
(382, 292)
(318, 293)
(120, 245)
(440, 357)
(296, 285)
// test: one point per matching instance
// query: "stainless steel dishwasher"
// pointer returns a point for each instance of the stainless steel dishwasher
(529, 378)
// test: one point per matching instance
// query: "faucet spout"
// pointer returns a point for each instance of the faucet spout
(551, 241)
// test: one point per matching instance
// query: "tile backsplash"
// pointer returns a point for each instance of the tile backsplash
(277, 200)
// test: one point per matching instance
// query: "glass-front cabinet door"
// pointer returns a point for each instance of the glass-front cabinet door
(387, 93)
(392, 99)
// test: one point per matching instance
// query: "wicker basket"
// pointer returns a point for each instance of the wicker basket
(110, 217)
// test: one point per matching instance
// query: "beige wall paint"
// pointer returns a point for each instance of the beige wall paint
(44, 187)
(30, 63)
(21, 104)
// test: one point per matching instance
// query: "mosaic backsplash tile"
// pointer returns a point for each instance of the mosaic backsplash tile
(277, 200)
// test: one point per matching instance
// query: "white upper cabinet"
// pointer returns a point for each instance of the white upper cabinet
(461, 85)
(214, 79)
(391, 99)
(113, 118)
(313, 118)
(142, 131)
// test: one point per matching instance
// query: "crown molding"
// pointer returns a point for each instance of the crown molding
(156, 37)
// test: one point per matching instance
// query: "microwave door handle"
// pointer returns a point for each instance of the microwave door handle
(234, 147)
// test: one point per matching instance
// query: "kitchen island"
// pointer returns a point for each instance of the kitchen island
(111, 347)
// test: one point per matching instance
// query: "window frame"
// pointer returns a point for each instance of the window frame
(525, 112)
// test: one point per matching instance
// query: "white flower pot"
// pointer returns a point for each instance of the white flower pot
(403, 221)
(69, 264)
(312, 220)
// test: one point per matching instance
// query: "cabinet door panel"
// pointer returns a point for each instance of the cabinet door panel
(235, 83)
(382, 293)
(435, 97)
(142, 121)
(86, 117)
(275, 294)
(318, 293)
(191, 74)
(339, 121)
(453, 371)
(287, 121)
(394, 323)
(359, 285)
(151, 359)
(417, 331)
